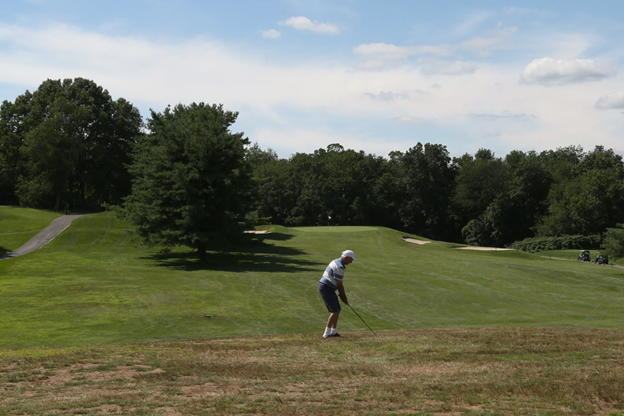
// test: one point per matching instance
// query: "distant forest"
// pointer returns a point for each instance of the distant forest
(70, 146)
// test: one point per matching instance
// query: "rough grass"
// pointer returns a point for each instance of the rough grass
(495, 371)
(18, 225)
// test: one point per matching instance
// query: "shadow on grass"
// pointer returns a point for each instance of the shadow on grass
(273, 236)
(259, 255)
(3, 250)
(235, 262)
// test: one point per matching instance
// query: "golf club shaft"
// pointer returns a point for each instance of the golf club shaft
(358, 315)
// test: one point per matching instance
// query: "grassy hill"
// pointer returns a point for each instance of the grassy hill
(18, 225)
(81, 317)
(93, 285)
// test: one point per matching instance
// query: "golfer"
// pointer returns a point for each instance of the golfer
(329, 283)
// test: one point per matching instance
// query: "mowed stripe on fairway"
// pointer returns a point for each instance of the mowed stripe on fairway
(95, 284)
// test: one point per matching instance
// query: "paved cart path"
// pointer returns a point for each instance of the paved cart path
(44, 237)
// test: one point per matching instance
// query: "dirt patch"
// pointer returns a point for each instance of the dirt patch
(208, 389)
(415, 241)
(87, 373)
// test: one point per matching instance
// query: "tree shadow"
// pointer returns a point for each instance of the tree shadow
(235, 262)
(272, 236)
(3, 250)
(257, 255)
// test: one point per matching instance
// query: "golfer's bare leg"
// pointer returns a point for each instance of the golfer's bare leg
(332, 322)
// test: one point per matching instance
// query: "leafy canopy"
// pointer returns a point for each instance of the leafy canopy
(67, 144)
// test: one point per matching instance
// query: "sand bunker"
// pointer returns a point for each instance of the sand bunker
(415, 241)
(258, 232)
(483, 248)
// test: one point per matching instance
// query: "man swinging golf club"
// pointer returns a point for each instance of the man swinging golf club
(329, 283)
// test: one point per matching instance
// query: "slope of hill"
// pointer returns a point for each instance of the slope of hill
(93, 285)
(18, 225)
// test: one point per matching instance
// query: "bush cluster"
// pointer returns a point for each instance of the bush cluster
(564, 242)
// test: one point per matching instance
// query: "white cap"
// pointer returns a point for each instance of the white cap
(349, 253)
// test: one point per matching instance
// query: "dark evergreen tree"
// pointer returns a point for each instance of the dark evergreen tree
(192, 180)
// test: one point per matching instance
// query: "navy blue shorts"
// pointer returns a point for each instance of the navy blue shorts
(329, 296)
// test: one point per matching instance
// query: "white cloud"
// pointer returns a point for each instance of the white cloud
(449, 68)
(566, 46)
(549, 71)
(270, 34)
(484, 45)
(614, 100)
(303, 23)
(504, 115)
(392, 96)
(274, 98)
(414, 121)
(377, 56)
(380, 56)
(389, 51)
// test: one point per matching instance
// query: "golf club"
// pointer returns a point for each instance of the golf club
(358, 315)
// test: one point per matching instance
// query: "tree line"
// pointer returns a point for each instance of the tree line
(182, 177)
(479, 199)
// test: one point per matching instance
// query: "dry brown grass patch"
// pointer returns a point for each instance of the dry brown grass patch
(434, 371)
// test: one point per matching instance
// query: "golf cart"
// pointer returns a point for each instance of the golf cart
(583, 256)
(601, 259)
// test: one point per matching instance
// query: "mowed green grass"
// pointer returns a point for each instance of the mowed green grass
(18, 225)
(93, 285)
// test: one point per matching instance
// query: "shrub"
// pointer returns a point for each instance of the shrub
(614, 242)
(536, 244)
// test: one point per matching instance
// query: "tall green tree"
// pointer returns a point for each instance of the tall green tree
(192, 181)
(513, 214)
(481, 182)
(14, 123)
(335, 186)
(589, 199)
(614, 242)
(68, 144)
(426, 189)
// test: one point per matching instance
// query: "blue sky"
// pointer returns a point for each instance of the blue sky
(374, 76)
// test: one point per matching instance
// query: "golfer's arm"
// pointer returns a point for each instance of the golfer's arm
(341, 290)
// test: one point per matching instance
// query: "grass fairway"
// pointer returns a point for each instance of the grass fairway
(92, 285)
(18, 225)
(91, 324)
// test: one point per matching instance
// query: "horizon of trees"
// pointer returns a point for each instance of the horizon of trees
(478, 199)
(69, 145)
